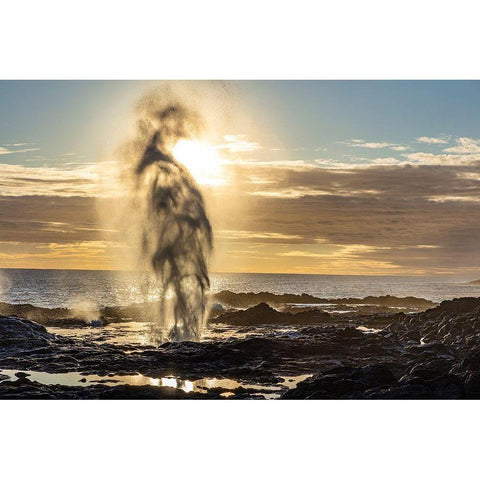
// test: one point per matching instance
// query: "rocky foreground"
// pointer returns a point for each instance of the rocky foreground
(430, 354)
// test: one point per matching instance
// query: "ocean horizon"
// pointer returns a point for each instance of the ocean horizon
(66, 288)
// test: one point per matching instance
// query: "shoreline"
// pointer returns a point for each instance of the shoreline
(425, 354)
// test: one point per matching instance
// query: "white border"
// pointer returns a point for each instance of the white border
(252, 39)
(239, 439)
(237, 40)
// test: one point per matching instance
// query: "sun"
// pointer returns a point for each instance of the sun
(201, 159)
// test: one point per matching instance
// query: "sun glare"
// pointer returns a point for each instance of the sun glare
(201, 160)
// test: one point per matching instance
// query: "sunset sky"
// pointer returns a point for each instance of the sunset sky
(329, 177)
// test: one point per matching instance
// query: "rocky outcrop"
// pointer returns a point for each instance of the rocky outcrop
(263, 314)
(19, 333)
(245, 300)
(378, 382)
(454, 323)
(30, 312)
(64, 317)
(343, 382)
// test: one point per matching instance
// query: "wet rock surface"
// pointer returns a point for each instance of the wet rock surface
(426, 355)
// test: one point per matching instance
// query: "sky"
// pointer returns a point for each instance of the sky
(327, 177)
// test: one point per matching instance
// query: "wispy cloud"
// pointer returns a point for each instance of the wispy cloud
(432, 140)
(238, 143)
(6, 151)
(301, 192)
(17, 144)
(426, 158)
(74, 179)
(83, 254)
(357, 142)
(245, 234)
(374, 145)
(297, 192)
(339, 251)
(454, 198)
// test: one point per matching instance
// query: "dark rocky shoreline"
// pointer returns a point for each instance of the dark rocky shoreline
(430, 354)
(222, 302)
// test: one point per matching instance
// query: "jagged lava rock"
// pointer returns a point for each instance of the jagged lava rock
(16, 332)
(263, 314)
(342, 382)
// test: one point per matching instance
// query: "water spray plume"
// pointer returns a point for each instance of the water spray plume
(174, 233)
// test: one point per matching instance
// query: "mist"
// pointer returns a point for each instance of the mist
(165, 216)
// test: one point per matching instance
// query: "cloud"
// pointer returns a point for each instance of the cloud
(83, 254)
(238, 144)
(355, 142)
(52, 219)
(373, 145)
(418, 213)
(465, 145)
(415, 181)
(340, 251)
(6, 151)
(71, 179)
(243, 234)
(442, 159)
(298, 192)
(426, 212)
(454, 198)
(432, 140)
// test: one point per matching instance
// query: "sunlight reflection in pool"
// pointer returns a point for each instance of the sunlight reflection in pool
(200, 386)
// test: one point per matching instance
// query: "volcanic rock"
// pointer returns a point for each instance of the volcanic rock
(263, 314)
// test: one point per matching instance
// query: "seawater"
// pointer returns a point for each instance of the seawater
(70, 288)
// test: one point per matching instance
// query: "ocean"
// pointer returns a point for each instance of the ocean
(70, 288)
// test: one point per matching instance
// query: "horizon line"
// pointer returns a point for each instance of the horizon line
(242, 273)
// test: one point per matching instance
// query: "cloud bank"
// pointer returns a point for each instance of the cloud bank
(406, 212)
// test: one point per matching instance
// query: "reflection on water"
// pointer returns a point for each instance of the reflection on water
(368, 330)
(227, 394)
(129, 333)
(139, 334)
(74, 379)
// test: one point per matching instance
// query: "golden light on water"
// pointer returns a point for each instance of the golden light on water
(169, 382)
(201, 159)
(188, 386)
